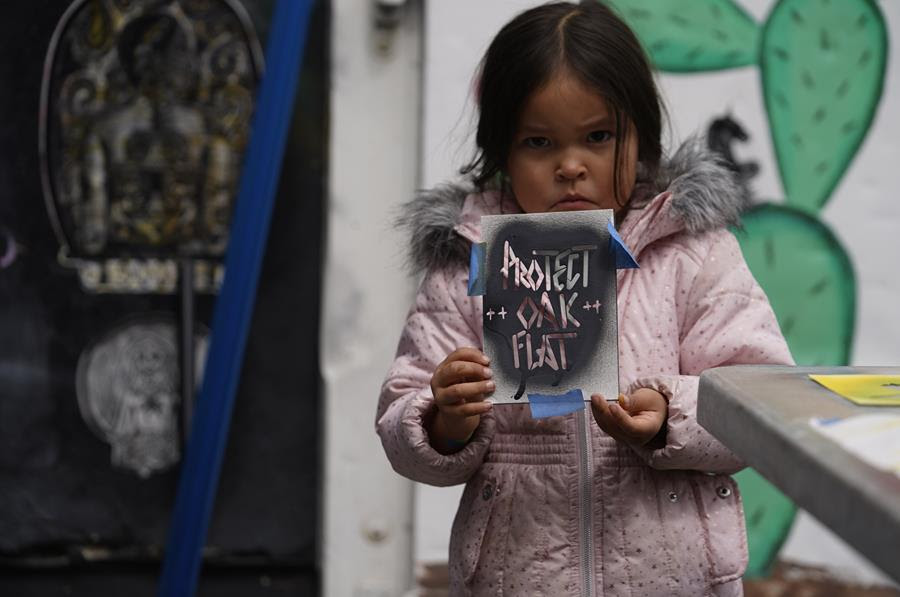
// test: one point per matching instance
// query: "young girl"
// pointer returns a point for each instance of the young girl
(635, 500)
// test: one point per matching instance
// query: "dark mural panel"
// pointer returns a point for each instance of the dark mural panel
(90, 398)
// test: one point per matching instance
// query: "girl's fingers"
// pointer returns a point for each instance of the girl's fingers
(638, 428)
(465, 392)
(616, 421)
(467, 353)
(645, 399)
(647, 410)
(621, 418)
(462, 366)
(600, 409)
(456, 372)
(469, 409)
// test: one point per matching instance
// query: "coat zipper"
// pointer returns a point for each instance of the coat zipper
(585, 502)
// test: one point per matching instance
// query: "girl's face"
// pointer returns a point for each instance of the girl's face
(563, 153)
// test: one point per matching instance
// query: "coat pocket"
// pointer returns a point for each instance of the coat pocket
(722, 522)
(469, 527)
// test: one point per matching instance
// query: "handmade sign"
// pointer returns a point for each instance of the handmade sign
(549, 287)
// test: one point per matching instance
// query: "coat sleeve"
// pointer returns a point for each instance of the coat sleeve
(438, 323)
(727, 321)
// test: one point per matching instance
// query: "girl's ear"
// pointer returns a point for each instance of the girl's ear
(643, 173)
(502, 183)
(646, 186)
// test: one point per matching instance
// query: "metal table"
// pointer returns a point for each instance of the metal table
(762, 414)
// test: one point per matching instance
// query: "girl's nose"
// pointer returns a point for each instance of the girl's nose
(570, 168)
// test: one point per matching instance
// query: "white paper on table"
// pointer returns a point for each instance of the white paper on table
(875, 438)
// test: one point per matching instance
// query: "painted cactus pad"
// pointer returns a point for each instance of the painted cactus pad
(822, 65)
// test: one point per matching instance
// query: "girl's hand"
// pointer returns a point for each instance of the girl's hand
(635, 419)
(460, 384)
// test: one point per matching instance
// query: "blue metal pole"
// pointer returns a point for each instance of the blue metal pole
(234, 307)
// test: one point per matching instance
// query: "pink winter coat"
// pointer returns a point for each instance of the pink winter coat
(541, 513)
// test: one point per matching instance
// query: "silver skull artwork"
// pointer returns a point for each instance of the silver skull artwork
(128, 393)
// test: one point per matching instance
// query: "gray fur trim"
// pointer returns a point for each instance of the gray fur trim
(429, 220)
(705, 192)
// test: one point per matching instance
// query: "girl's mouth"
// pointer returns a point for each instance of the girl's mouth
(574, 202)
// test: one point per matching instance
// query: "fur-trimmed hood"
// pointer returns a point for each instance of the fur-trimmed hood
(703, 195)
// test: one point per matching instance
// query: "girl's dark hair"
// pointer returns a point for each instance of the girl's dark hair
(596, 46)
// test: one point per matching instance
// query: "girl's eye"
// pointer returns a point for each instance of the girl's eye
(599, 136)
(537, 142)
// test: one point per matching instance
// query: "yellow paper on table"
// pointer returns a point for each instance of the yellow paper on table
(867, 390)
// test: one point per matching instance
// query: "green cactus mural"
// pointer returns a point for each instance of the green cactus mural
(769, 515)
(700, 35)
(822, 66)
(808, 278)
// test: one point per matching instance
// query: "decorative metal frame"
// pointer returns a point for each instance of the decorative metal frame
(156, 273)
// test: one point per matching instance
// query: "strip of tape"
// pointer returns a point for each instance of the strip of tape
(476, 270)
(202, 462)
(624, 258)
(545, 405)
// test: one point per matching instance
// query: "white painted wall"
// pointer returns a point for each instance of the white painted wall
(863, 210)
(373, 165)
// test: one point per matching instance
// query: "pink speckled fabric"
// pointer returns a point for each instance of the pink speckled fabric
(666, 522)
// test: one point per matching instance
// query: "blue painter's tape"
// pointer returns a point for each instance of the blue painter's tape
(829, 421)
(234, 306)
(476, 270)
(624, 258)
(543, 405)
